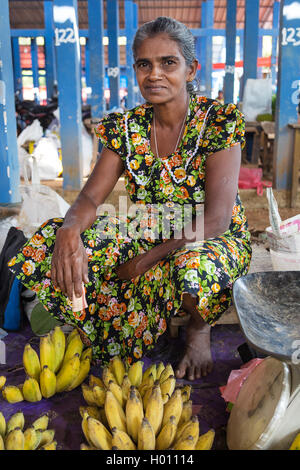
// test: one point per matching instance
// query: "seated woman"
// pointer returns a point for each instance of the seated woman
(177, 151)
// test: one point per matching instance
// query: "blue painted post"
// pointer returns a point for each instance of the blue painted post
(250, 40)
(129, 31)
(87, 63)
(96, 59)
(230, 51)
(69, 90)
(112, 8)
(209, 47)
(276, 11)
(205, 47)
(35, 69)
(9, 162)
(50, 64)
(201, 49)
(17, 67)
(287, 92)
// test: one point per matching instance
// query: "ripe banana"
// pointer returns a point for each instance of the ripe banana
(117, 391)
(147, 396)
(118, 369)
(134, 414)
(185, 444)
(67, 374)
(121, 440)
(114, 412)
(2, 424)
(83, 446)
(98, 434)
(191, 428)
(84, 369)
(41, 423)
(99, 394)
(31, 362)
(107, 376)
(206, 440)
(84, 427)
(146, 436)
(15, 440)
(31, 438)
(47, 382)
(167, 387)
(173, 407)
(31, 390)
(167, 434)
(51, 446)
(47, 353)
(150, 370)
(155, 409)
(2, 381)
(75, 346)
(159, 369)
(168, 370)
(92, 411)
(93, 380)
(17, 420)
(87, 352)
(12, 394)
(186, 414)
(146, 384)
(71, 335)
(59, 341)
(2, 447)
(186, 392)
(135, 373)
(126, 384)
(88, 395)
(47, 436)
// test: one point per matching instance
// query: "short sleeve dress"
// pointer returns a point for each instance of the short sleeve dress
(127, 318)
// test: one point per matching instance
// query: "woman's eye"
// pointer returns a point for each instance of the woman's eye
(169, 62)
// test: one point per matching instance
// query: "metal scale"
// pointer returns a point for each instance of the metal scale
(266, 414)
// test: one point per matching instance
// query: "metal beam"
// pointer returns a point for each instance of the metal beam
(287, 93)
(69, 91)
(230, 51)
(250, 40)
(17, 67)
(276, 12)
(112, 8)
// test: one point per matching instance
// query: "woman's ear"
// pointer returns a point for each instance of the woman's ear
(193, 70)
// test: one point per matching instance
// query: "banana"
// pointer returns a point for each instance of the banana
(84, 427)
(99, 394)
(92, 411)
(98, 434)
(159, 369)
(75, 346)
(103, 417)
(135, 373)
(93, 380)
(83, 446)
(118, 369)
(31, 438)
(71, 335)
(41, 423)
(117, 391)
(173, 407)
(146, 384)
(47, 436)
(167, 387)
(12, 394)
(167, 434)
(31, 390)
(47, 352)
(2, 447)
(168, 370)
(15, 440)
(31, 362)
(47, 382)
(155, 409)
(84, 369)
(67, 373)
(59, 341)
(107, 376)
(205, 441)
(191, 428)
(2, 424)
(88, 395)
(126, 384)
(16, 421)
(51, 446)
(114, 412)
(2, 381)
(186, 414)
(185, 444)
(87, 352)
(150, 370)
(186, 392)
(121, 440)
(146, 436)
(134, 414)
(147, 396)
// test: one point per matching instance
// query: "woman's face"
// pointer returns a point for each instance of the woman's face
(161, 70)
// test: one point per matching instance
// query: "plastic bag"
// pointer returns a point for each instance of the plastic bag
(250, 178)
(257, 98)
(33, 132)
(47, 158)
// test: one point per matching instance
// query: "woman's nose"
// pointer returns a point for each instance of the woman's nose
(155, 72)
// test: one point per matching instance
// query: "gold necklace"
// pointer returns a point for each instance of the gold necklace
(154, 128)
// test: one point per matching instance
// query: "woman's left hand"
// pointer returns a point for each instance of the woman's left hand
(131, 268)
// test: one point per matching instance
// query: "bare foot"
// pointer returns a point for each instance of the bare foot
(197, 360)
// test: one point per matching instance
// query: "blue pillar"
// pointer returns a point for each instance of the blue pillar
(87, 62)
(69, 90)
(250, 40)
(276, 11)
(112, 8)
(17, 67)
(96, 57)
(230, 51)
(287, 94)
(50, 63)
(9, 162)
(205, 50)
(129, 31)
(35, 69)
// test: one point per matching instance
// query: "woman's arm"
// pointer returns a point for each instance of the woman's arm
(69, 260)
(221, 185)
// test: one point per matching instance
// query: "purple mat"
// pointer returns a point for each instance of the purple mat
(63, 409)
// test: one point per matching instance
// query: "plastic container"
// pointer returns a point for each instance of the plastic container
(290, 236)
(285, 261)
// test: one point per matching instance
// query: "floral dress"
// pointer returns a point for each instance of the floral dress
(128, 317)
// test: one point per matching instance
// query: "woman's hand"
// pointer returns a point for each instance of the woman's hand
(69, 267)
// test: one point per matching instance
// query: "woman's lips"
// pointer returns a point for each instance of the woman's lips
(155, 89)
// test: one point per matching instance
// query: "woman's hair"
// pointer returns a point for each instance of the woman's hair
(176, 31)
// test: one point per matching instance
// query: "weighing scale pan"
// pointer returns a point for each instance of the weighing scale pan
(268, 308)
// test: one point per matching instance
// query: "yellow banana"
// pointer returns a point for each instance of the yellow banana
(51, 446)
(31, 390)
(146, 436)
(167, 434)
(47, 382)
(135, 373)
(15, 440)
(186, 392)
(134, 414)
(107, 376)
(2, 381)
(191, 428)
(150, 370)
(47, 353)
(159, 369)
(31, 438)
(12, 394)
(15, 421)
(88, 395)
(186, 414)
(2, 424)
(167, 387)
(185, 444)
(147, 396)
(41, 423)
(126, 384)
(84, 369)
(146, 384)
(118, 369)
(295, 444)
(47, 437)
(31, 362)
(71, 335)
(84, 427)
(2, 447)
(93, 380)
(67, 373)
(98, 434)
(155, 409)
(168, 370)
(75, 346)
(87, 352)
(99, 394)
(92, 411)
(83, 446)
(114, 412)
(103, 417)
(205, 441)
(121, 440)
(173, 407)
(117, 391)
(59, 341)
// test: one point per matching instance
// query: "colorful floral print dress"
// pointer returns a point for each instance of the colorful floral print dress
(128, 317)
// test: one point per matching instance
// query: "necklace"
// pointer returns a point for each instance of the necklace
(179, 135)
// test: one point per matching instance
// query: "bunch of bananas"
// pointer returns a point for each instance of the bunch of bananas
(13, 436)
(139, 410)
(61, 365)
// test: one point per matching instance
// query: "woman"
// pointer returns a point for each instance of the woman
(177, 150)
